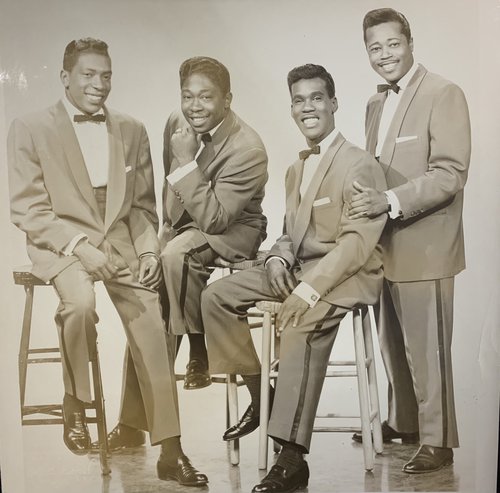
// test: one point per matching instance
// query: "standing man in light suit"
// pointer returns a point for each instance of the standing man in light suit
(216, 170)
(324, 264)
(418, 127)
(81, 185)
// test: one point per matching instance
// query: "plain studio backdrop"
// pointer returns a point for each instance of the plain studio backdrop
(259, 42)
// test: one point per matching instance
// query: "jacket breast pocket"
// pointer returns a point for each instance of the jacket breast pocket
(325, 220)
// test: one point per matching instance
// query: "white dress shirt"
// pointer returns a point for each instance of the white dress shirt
(388, 112)
(94, 145)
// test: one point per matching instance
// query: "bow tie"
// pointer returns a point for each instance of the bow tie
(89, 118)
(385, 87)
(307, 152)
(206, 138)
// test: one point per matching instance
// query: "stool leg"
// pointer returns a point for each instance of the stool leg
(264, 388)
(364, 404)
(25, 342)
(99, 409)
(372, 382)
(232, 416)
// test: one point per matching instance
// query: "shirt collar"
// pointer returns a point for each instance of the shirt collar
(403, 82)
(327, 141)
(73, 110)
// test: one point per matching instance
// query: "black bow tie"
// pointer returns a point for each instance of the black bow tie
(385, 87)
(205, 138)
(99, 118)
(307, 152)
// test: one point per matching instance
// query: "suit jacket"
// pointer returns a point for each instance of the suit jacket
(223, 195)
(52, 199)
(425, 158)
(339, 257)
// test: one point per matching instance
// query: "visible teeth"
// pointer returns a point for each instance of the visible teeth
(310, 122)
(388, 67)
(92, 97)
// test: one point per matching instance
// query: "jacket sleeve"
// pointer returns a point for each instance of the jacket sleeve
(30, 204)
(357, 238)
(215, 206)
(143, 220)
(449, 155)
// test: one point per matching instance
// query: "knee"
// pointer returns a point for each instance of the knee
(172, 256)
(81, 306)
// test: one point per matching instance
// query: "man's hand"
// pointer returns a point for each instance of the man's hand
(149, 271)
(282, 281)
(291, 310)
(184, 144)
(367, 202)
(95, 262)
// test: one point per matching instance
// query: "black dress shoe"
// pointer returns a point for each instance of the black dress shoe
(197, 376)
(280, 481)
(389, 434)
(429, 459)
(75, 432)
(123, 437)
(183, 472)
(248, 423)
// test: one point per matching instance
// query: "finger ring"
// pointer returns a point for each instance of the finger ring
(178, 131)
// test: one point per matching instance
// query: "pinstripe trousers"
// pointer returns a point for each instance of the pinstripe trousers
(415, 325)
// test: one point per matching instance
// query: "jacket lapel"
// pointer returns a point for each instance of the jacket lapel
(408, 94)
(303, 217)
(292, 185)
(74, 156)
(373, 122)
(116, 172)
(219, 138)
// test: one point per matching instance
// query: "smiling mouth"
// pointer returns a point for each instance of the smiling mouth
(388, 66)
(198, 120)
(310, 121)
(95, 98)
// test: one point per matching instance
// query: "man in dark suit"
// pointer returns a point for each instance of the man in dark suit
(81, 185)
(418, 127)
(324, 264)
(215, 169)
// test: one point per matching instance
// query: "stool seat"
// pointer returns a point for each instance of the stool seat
(23, 276)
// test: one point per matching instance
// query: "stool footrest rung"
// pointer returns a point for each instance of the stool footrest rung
(43, 350)
(342, 429)
(35, 361)
(339, 373)
(337, 415)
(51, 409)
(342, 363)
(42, 421)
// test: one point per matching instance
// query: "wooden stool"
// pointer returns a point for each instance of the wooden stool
(232, 383)
(364, 371)
(31, 356)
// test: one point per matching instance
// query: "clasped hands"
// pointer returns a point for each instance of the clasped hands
(102, 268)
(367, 202)
(184, 144)
(282, 283)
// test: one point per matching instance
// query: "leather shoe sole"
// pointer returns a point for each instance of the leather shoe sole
(389, 434)
(277, 480)
(121, 440)
(429, 459)
(197, 376)
(184, 472)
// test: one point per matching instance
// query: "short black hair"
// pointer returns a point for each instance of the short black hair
(210, 67)
(380, 16)
(78, 47)
(311, 71)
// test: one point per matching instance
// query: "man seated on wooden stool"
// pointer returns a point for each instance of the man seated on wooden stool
(322, 266)
(81, 185)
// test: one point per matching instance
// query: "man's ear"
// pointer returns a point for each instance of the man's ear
(65, 78)
(227, 100)
(335, 104)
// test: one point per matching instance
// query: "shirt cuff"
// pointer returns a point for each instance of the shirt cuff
(307, 293)
(282, 260)
(181, 172)
(394, 205)
(68, 249)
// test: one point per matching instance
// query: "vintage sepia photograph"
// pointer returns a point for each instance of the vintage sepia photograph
(249, 246)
